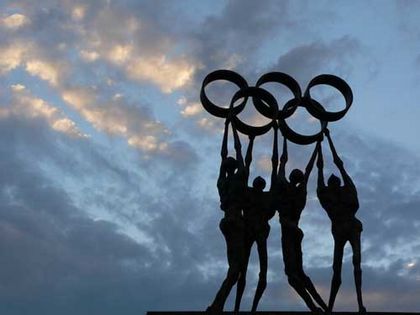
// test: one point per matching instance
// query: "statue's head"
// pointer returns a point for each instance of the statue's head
(296, 177)
(230, 164)
(259, 183)
(334, 182)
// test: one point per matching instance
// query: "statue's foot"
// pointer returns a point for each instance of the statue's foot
(362, 310)
(325, 309)
(214, 310)
(328, 311)
(317, 311)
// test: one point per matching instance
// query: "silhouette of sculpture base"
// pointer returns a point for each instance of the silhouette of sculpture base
(281, 313)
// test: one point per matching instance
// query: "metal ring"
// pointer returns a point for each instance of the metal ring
(294, 136)
(284, 79)
(226, 75)
(340, 85)
(267, 107)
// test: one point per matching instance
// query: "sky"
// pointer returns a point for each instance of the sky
(108, 199)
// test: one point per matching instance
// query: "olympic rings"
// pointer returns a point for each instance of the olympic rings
(292, 135)
(267, 105)
(226, 75)
(285, 79)
(340, 85)
(270, 110)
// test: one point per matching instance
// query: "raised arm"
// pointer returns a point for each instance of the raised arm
(248, 156)
(274, 158)
(238, 148)
(224, 150)
(311, 162)
(283, 161)
(320, 165)
(346, 178)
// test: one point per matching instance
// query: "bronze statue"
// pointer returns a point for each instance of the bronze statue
(231, 185)
(341, 204)
(292, 201)
(258, 210)
(247, 210)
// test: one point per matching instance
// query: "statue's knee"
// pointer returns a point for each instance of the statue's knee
(262, 278)
(337, 278)
(306, 279)
(242, 280)
(337, 269)
(356, 261)
(234, 274)
(292, 279)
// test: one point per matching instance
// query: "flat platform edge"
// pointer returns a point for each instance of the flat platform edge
(279, 313)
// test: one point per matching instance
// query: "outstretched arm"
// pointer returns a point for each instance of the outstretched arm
(311, 162)
(283, 161)
(224, 150)
(320, 165)
(248, 156)
(274, 159)
(346, 178)
(238, 148)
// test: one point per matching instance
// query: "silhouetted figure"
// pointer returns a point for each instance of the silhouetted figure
(291, 204)
(341, 204)
(258, 210)
(231, 185)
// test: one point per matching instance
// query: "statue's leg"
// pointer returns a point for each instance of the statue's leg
(293, 273)
(357, 257)
(262, 280)
(298, 285)
(235, 255)
(240, 287)
(306, 280)
(313, 292)
(337, 264)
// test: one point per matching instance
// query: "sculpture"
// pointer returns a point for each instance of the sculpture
(292, 202)
(231, 185)
(258, 210)
(341, 204)
(247, 210)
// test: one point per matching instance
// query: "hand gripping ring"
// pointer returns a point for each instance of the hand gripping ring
(267, 107)
(226, 75)
(320, 112)
(284, 79)
(294, 136)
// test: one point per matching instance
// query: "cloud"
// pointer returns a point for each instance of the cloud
(89, 55)
(24, 105)
(115, 118)
(128, 46)
(51, 245)
(15, 21)
(12, 56)
(168, 74)
(239, 33)
(305, 61)
(189, 109)
(74, 253)
(45, 70)
(78, 12)
(29, 55)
